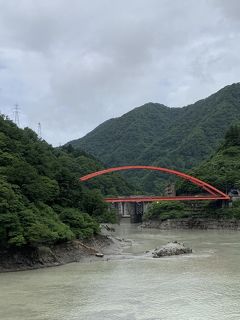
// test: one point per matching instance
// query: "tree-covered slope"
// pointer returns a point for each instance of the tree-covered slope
(41, 198)
(122, 140)
(170, 137)
(222, 169)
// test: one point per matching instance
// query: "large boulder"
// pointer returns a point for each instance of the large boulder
(171, 249)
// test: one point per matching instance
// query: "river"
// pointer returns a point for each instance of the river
(203, 285)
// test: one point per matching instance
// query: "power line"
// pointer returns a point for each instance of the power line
(39, 131)
(16, 115)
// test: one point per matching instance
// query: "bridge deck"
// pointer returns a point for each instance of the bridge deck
(159, 198)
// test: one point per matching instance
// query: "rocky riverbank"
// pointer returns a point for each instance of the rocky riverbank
(193, 223)
(48, 256)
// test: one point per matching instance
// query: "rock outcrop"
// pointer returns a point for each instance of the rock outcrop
(193, 223)
(171, 249)
(39, 257)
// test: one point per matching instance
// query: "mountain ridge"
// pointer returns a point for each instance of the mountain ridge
(154, 134)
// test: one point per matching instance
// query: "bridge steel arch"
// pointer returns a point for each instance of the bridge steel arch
(214, 193)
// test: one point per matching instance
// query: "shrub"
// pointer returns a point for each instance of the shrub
(165, 210)
(81, 224)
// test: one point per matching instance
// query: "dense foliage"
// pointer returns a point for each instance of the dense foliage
(41, 198)
(177, 210)
(169, 137)
(166, 210)
(226, 213)
(223, 168)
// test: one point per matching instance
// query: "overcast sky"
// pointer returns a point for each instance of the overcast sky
(72, 64)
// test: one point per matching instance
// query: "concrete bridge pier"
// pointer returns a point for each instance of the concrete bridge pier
(132, 210)
(122, 209)
(136, 212)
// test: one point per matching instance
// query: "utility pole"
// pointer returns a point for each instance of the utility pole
(39, 131)
(16, 115)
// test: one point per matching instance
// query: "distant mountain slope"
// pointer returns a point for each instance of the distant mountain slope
(198, 130)
(170, 137)
(222, 169)
(121, 140)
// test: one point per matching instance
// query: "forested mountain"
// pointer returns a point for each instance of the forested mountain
(222, 169)
(154, 134)
(41, 198)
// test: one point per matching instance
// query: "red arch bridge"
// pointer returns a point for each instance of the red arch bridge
(135, 206)
(212, 192)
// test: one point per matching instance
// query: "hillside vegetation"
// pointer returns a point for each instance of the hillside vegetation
(222, 170)
(41, 198)
(154, 134)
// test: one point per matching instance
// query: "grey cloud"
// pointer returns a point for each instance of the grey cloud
(230, 9)
(72, 65)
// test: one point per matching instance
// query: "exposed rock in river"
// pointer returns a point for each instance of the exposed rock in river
(170, 249)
